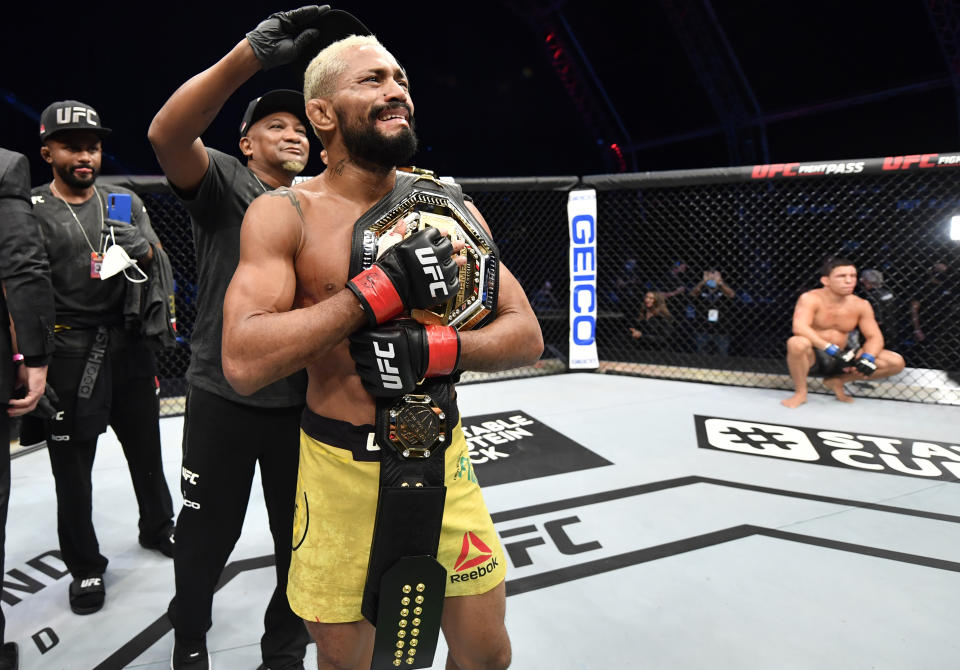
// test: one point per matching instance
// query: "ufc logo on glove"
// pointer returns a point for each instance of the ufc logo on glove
(438, 288)
(389, 374)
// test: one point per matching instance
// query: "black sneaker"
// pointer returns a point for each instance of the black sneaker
(164, 544)
(189, 655)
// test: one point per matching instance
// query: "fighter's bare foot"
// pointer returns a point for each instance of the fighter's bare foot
(794, 401)
(836, 386)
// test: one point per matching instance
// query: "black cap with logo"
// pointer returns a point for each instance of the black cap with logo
(279, 100)
(71, 115)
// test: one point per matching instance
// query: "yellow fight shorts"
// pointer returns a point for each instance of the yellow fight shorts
(337, 488)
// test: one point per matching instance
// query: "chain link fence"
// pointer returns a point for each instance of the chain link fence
(727, 251)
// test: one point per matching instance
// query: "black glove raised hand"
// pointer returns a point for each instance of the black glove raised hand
(127, 236)
(417, 273)
(281, 38)
(393, 358)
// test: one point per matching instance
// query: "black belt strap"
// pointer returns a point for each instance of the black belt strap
(405, 583)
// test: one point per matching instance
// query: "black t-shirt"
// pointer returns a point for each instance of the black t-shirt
(884, 304)
(216, 211)
(655, 331)
(714, 311)
(936, 300)
(82, 300)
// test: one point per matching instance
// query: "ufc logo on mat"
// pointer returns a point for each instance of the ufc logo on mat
(389, 374)
(430, 268)
(76, 114)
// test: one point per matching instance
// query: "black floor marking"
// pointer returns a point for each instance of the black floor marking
(149, 636)
(605, 496)
(161, 626)
(591, 568)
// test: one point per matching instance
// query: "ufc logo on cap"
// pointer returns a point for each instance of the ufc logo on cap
(432, 269)
(75, 114)
(389, 374)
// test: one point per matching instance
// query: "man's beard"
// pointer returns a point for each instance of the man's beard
(293, 167)
(365, 143)
(72, 180)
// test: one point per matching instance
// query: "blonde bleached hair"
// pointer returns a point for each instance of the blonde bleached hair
(320, 78)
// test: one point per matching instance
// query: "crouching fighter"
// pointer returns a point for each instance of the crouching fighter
(328, 272)
(822, 322)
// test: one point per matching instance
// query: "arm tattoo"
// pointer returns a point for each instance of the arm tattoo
(289, 195)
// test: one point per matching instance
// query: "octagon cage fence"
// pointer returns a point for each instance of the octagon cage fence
(726, 251)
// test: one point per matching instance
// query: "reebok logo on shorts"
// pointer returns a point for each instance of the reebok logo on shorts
(473, 553)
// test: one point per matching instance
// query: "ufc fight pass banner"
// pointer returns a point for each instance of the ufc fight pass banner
(582, 217)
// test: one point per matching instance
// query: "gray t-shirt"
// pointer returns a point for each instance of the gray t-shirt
(83, 301)
(217, 210)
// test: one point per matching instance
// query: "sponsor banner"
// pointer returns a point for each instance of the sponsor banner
(582, 217)
(908, 163)
(512, 446)
(851, 450)
(825, 168)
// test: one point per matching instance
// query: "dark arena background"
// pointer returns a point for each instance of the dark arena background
(655, 500)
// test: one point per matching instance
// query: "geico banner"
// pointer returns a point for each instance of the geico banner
(582, 215)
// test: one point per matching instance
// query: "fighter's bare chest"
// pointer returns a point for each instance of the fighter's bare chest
(842, 317)
(323, 262)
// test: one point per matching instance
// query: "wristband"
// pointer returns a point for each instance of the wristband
(18, 358)
(868, 357)
(377, 295)
(832, 349)
(443, 350)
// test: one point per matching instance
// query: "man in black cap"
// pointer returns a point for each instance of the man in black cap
(226, 434)
(28, 299)
(103, 371)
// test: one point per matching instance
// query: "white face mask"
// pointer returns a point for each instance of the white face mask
(116, 260)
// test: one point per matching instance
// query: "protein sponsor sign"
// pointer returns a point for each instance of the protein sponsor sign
(512, 446)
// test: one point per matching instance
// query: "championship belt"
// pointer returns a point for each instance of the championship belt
(415, 424)
(427, 201)
(404, 590)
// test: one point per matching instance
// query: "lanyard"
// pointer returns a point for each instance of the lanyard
(53, 190)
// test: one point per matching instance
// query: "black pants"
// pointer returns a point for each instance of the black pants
(222, 443)
(4, 501)
(134, 417)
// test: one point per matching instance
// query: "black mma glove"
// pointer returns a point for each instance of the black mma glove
(281, 37)
(47, 405)
(392, 359)
(845, 356)
(866, 364)
(127, 236)
(417, 273)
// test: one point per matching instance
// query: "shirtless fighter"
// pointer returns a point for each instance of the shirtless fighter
(822, 321)
(294, 303)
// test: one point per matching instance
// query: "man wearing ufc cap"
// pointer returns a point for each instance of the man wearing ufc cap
(102, 372)
(225, 434)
